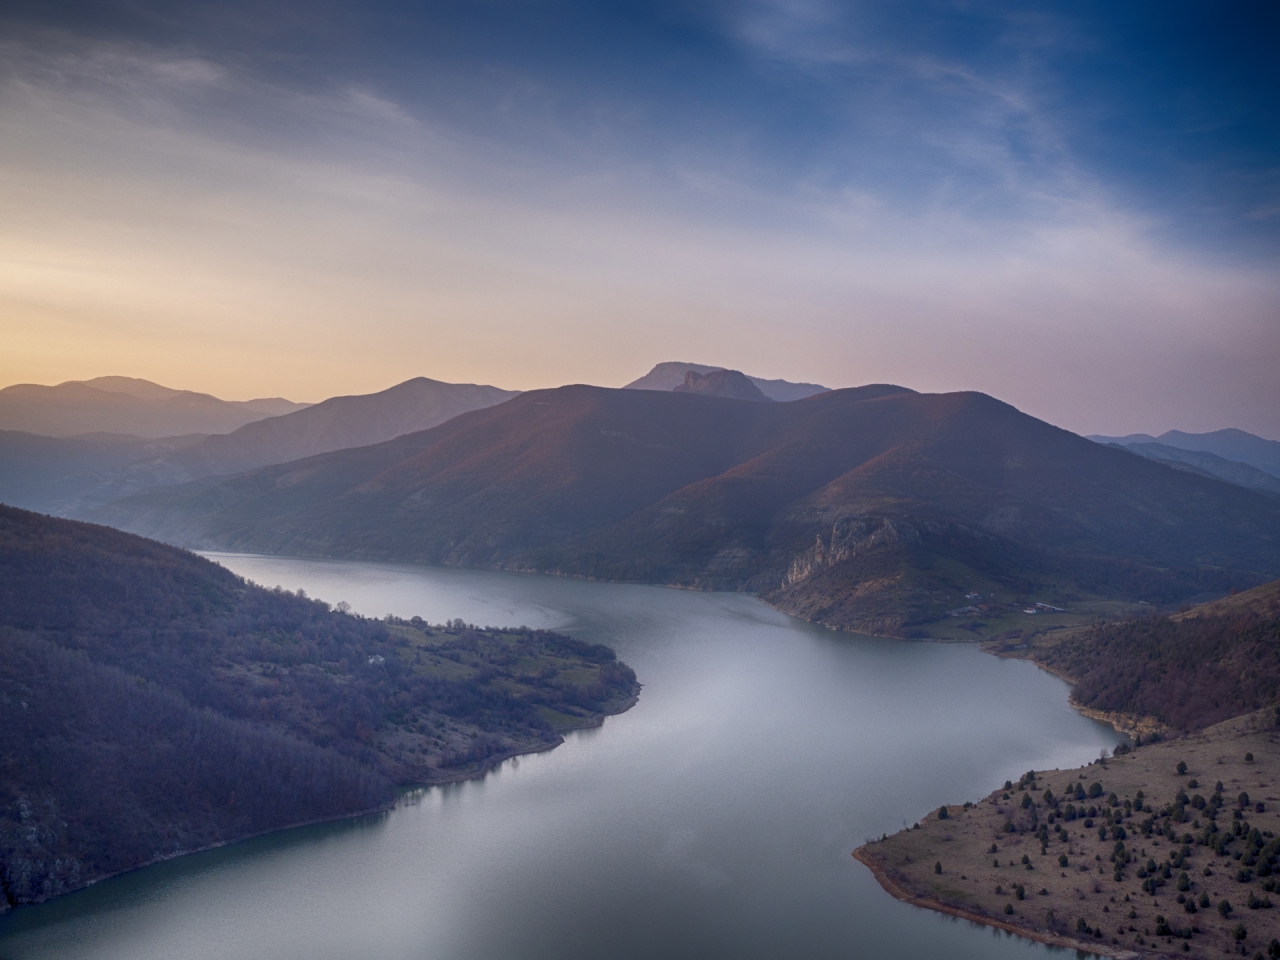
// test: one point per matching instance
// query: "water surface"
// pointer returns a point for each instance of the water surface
(714, 819)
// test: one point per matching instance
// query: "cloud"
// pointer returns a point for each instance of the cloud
(227, 232)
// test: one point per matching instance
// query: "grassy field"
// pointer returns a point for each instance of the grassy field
(1166, 850)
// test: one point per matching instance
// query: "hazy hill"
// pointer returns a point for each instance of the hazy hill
(335, 424)
(146, 390)
(152, 703)
(68, 476)
(670, 375)
(127, 406)
(1231, 444)
(870, 507)
(729, 384)
(55, 474)
(1208, 464)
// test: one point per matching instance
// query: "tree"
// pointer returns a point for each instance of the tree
(1182, 767)
(937, 867)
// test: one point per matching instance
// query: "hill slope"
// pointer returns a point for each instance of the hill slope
(125, 405)
(866, 508)
(1186, 671)
(55, 474)
(152, 703)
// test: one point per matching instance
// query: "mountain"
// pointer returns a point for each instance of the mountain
(68, 476)
(729, 384)
(870, 508)
(1231, 444)
(126, 406)
(671, 375)
(1206, 464)
(334, 424)
(152, 703)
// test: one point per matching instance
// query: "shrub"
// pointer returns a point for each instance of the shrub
(1182, 767)
(1240, 932)
(1008, 909)
(1062, 860)
(937, 867)
(1224, 908)
(942, 812)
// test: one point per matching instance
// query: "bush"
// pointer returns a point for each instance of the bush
(937, 867)
(1224, 908)
(1008, 910)
(1182, 767)
(942, 812)
(1240, 933)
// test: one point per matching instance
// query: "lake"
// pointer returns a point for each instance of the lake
(714, 819)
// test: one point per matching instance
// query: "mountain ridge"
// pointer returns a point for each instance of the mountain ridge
(720, 493)
(151, 411)
(1230, 444)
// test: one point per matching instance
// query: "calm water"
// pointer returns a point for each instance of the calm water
(715, 819)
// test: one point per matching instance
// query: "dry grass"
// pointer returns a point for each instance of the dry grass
(1120, 913)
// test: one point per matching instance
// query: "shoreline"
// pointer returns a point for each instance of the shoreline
(899, 891)
(476, 773)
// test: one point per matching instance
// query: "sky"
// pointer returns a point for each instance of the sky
(1072, 206)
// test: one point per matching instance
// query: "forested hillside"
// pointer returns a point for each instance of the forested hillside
(1186, 671)
(153, 703)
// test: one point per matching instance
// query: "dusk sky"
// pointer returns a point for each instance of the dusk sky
(1072, 206)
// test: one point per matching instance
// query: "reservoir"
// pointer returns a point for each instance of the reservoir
(714, 819)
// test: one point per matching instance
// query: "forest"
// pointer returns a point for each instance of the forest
(1188, 670)
(153, 703)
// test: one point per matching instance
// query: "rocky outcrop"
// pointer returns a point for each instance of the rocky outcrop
(851, 537)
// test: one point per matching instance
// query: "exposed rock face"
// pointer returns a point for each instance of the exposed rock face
(721, 383)
(670, 375)
(883, 574)
(851, 536)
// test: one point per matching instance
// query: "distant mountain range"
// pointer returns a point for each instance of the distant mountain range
(1233, 446)
(869, 508)
(127, 405)
(1206, 464)
(70, 475)
(672, 376)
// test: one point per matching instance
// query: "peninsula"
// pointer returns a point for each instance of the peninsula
(1170, 847)
(153, 704)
